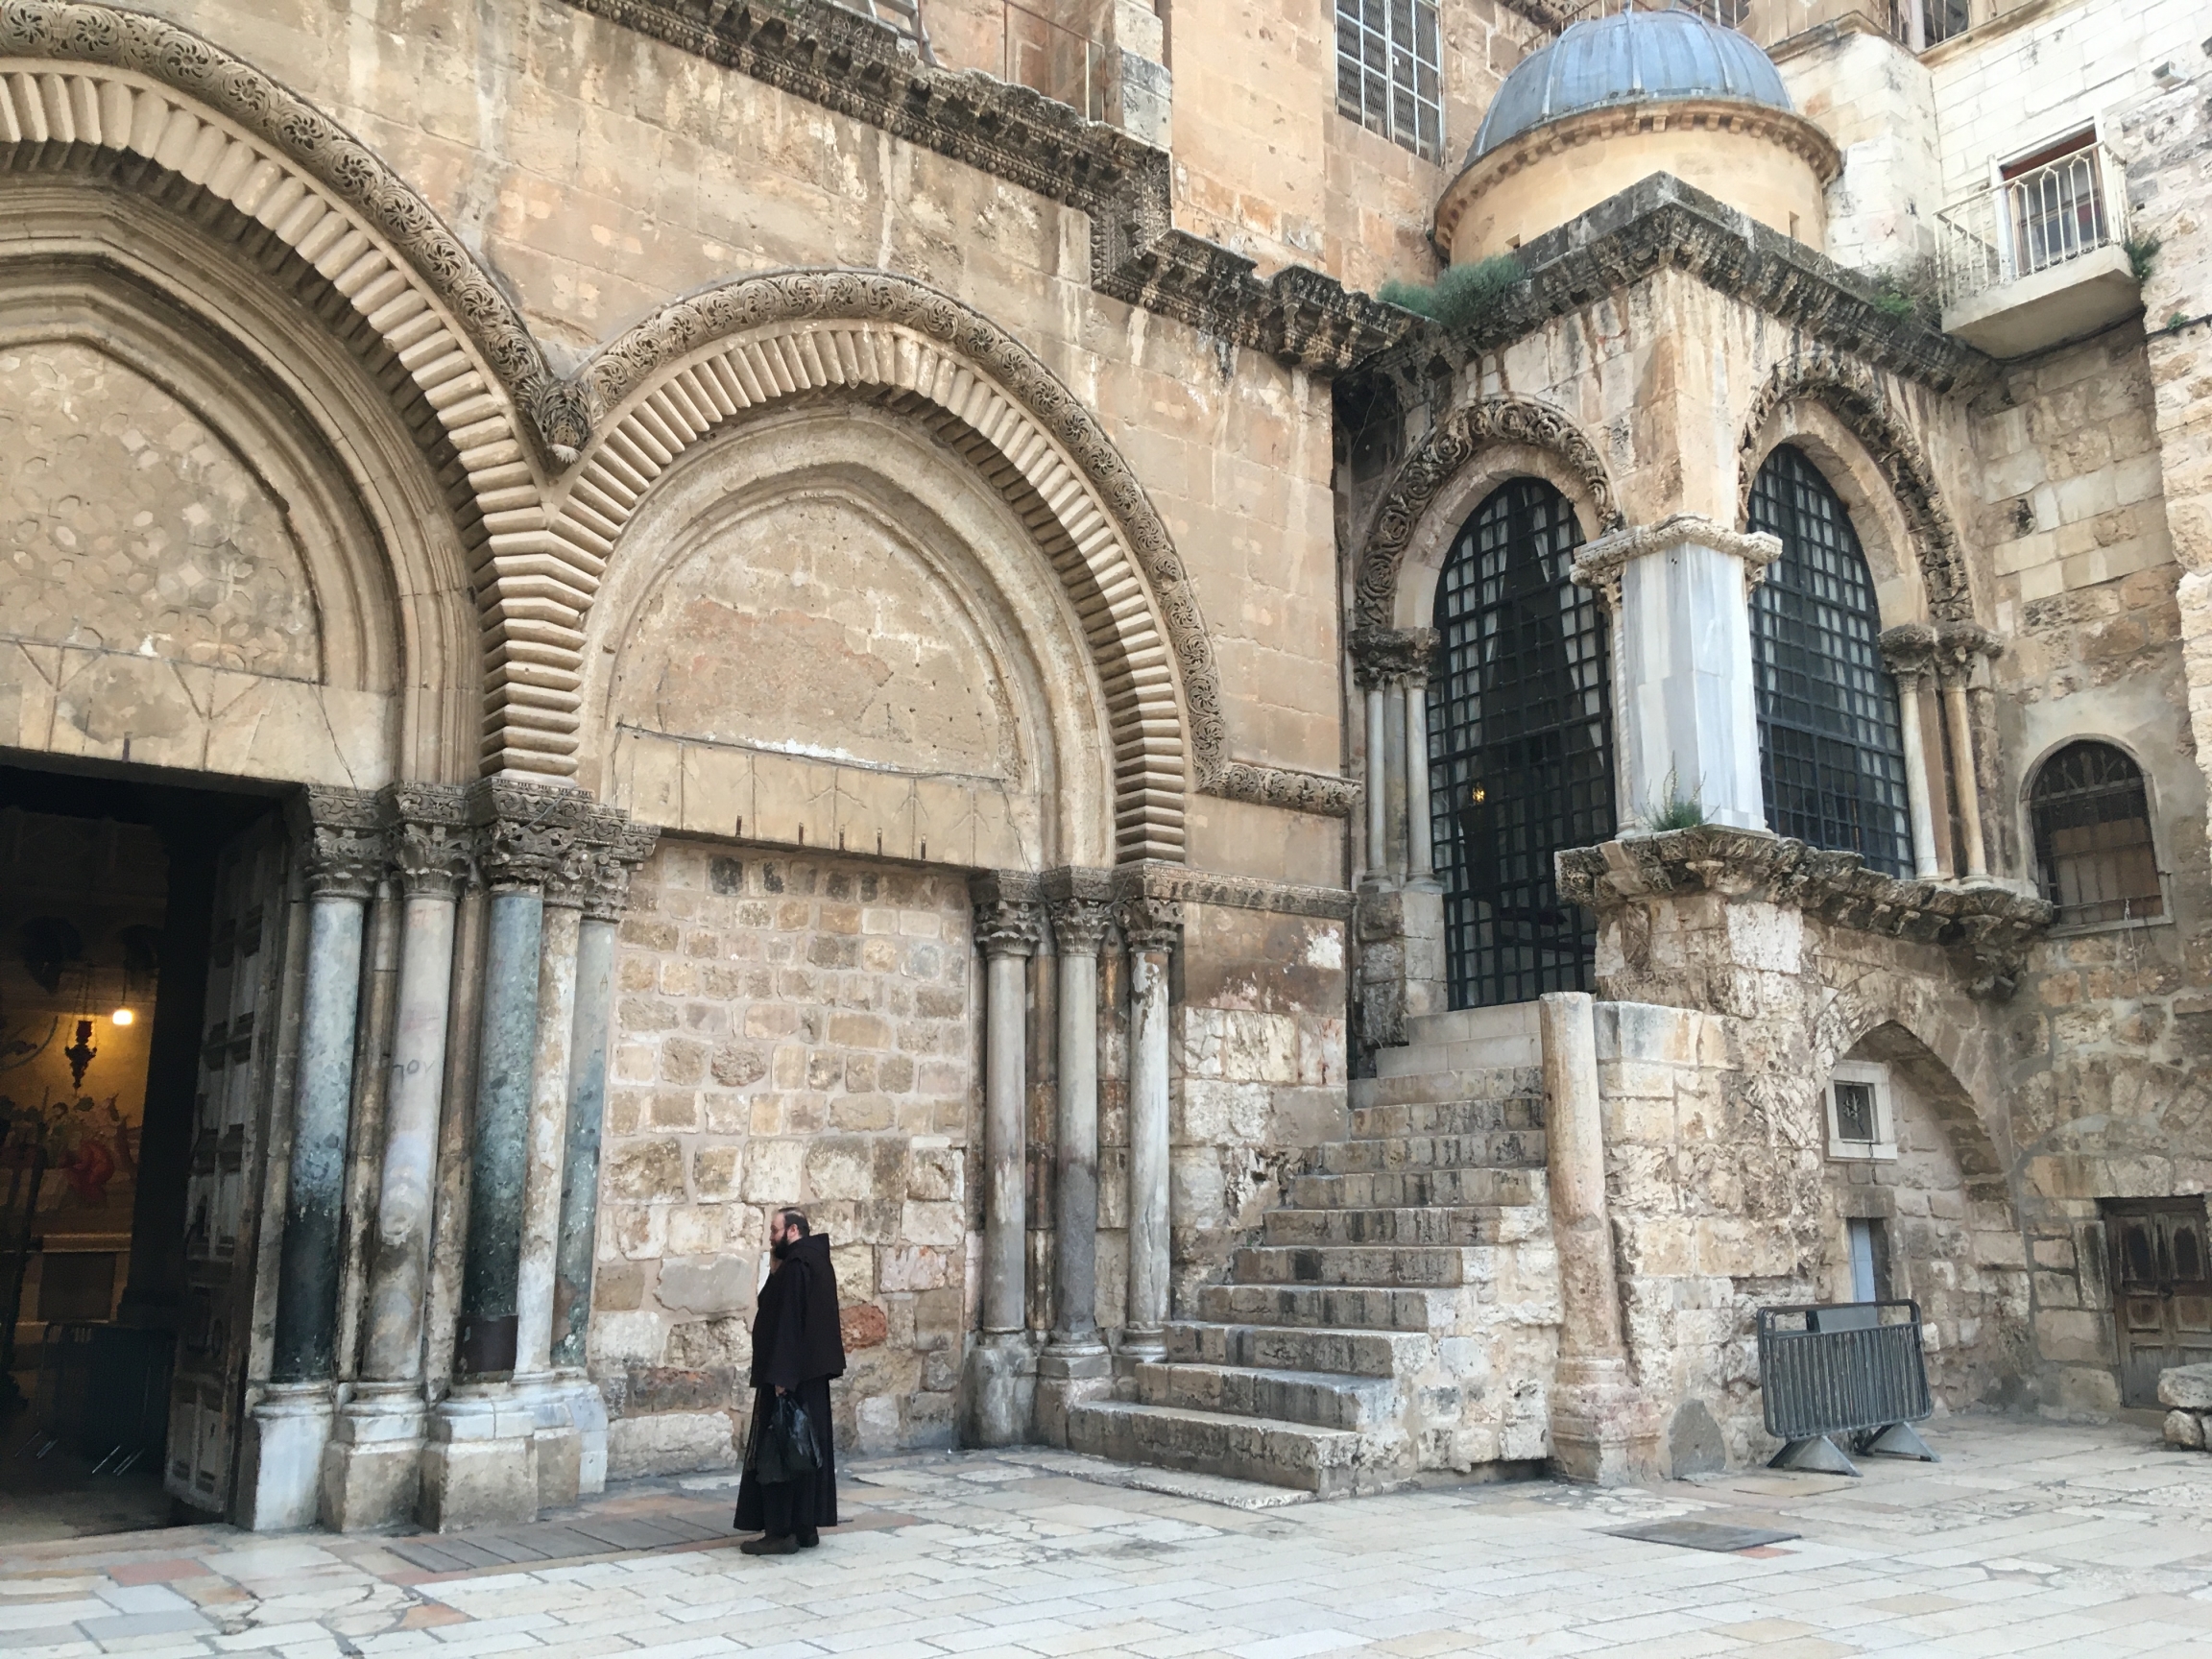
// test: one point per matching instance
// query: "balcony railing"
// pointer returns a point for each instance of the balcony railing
(1918, 24)
(2033, 222)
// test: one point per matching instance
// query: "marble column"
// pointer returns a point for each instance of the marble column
(998, 1394)
(1909, 651)
(1075, 1366)
(343, 840)
(481, 1464)
(606, 896)
(1150, 929)
(1401, 926)
(1687, 723)
(371, 1475)
(1420, 829)
(1377, 849)
(1959, 647)
(1602, 1428)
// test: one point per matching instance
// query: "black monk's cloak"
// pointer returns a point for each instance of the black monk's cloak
(797, 1345)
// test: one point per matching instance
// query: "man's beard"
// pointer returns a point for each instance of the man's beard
(780, 1248)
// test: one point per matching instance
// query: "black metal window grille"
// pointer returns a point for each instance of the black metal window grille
(1520, 747)
(2093, 847)
(1390, 71)
(1831, 750)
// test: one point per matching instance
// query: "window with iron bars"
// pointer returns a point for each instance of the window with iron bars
(2092, 847)
(1520, 747)
(1831, 745)
(1390, 71)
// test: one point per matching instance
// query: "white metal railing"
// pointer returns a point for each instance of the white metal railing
(2044, 217)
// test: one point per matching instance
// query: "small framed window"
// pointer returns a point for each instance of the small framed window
(1858, 1120)
(1390, 71)
(2094, 855)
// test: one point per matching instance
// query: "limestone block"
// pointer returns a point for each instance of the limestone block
(2184, 1428)
(2187, 1387)
(669, 1443)
(706, 1285)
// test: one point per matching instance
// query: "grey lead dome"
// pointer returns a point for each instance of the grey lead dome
(1629, 58)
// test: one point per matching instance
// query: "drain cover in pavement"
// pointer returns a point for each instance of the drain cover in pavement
(1702, 1534)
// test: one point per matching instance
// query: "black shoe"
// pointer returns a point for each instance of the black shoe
(770, 1544)
(808, 1538)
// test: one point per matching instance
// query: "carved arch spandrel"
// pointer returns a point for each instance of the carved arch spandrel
(1439, 456)
(1850, 391)
(704, 361)
(158, 111)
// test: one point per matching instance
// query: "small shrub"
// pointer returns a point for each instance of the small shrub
(1675, 810)
(1463, 295)
(2142, 252)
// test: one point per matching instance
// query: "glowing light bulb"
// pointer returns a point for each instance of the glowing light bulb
(121, 1017)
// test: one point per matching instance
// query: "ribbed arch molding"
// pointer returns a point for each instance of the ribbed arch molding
(706, 360)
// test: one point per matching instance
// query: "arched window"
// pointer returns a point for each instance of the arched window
(1520, 747)
(1830, 752)
(2093, 850)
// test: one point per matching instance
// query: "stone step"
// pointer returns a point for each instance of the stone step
(1329, 1462)
(1416, 1188)
(1494, 1149)
(1386, 1354)
(1361, 1308)
(1463, 1039)
(1383, 1267)
(1499, 1086)
(1518, 1115)
(1451, 1225)
(1321, 1399)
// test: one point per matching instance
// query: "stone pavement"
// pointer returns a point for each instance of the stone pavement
(2079, 1543)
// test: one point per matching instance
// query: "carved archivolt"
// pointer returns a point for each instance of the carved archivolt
(702, 361)
(1447, 446)
(1851, 390)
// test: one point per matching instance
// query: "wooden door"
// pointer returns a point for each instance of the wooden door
(237, 1061)
(2162, 1289)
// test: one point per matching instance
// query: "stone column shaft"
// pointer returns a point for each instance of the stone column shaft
(1378, 788)
(580, 1165)
(1000, 1386)
(486, 1343)
(1149, 927)
(548, 1130)
(1964, 781)
(1420, 853)
(1925, 864)
(1075, 1158)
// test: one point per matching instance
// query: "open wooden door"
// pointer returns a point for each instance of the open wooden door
(223, 1201)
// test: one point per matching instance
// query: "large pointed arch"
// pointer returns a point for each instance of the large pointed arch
(702, 362)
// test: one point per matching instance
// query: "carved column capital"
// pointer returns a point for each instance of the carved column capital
(341, 838)
(432, 845)
(1382, 657)
(1150, 925)
(1081, 905)
(607, 891)
(1009, 914)
(1959, 646)
(1909, 650)
(524, 830)
(1599, 563)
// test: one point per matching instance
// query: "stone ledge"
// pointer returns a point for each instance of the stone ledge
(1992, 926)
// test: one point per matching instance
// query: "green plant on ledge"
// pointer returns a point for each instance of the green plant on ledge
(1463, 296)
(2142, 251)
(1675, 810)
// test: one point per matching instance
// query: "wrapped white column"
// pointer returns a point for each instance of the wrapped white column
(1687, 721)
(1073, 1367)
(1002, 1367)
(1908, 650)
(1149, 928)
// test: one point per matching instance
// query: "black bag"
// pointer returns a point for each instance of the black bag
(784, 1449)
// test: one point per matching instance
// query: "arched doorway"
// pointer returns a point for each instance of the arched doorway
(1520, 746)
(1831, 745)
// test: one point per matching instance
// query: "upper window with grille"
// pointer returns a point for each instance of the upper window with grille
(1389, 71)
(2093, 849)
(1831, 745)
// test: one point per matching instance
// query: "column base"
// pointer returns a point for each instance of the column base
(560, 1448)
(997, 1390)
(587, 1412)
(480, 1466)
(1069, 1375)
(1603, 1431)
(281, 1464)
(372, 1468)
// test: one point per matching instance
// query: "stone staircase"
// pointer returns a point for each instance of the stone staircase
(1400, 1313)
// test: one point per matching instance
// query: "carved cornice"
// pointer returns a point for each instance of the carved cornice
(1009, 912)
(526, 833)
(856, 66)
(1600, 563)
(1851, 390)
(341, 834)
(1315, 792)
(1180, 884)
(1449, 445)
(1990, 926)
(1384, 658)
(433, 845)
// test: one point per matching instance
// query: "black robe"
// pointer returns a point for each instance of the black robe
(797, 1345)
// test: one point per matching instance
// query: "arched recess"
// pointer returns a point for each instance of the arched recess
(1904, 1022)
(156, 112)
(1461, 460)
(1850, 391)
(324, 630)
(704, 361)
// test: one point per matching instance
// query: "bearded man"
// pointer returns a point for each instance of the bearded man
(797, 1348)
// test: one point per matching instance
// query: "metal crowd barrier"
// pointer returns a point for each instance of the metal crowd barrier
(1852, 1368)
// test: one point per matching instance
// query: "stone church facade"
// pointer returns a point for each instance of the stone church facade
(864, 607)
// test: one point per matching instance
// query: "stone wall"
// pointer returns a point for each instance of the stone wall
(788, 1030)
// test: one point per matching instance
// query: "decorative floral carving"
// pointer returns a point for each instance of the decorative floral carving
(433, 846)
(1449, 445)
(526, 832)
(342, 834)
(1853, 394)
(1009, 912)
